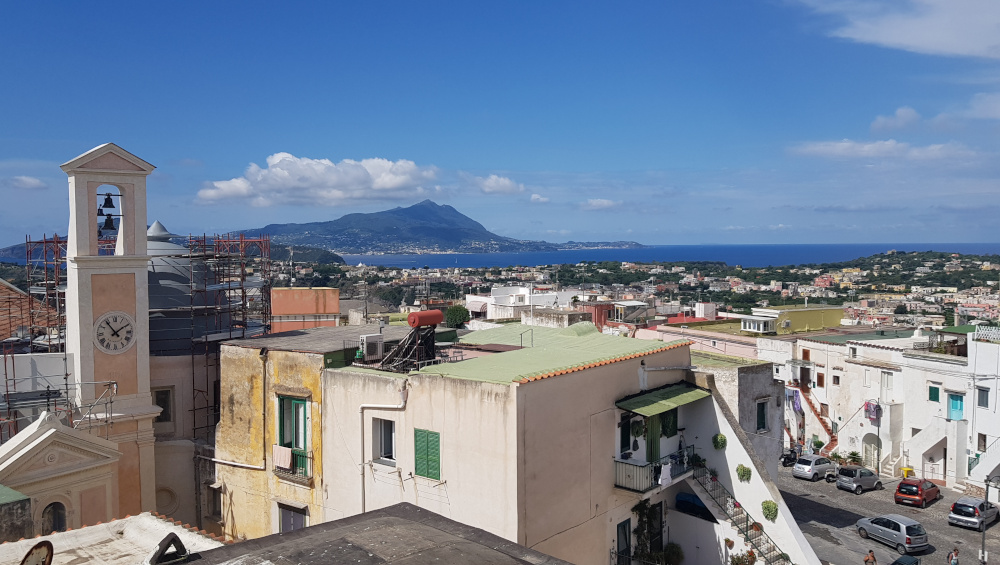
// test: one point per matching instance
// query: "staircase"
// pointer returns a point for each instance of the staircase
(832, 443)
(763, 546)
(985, 463)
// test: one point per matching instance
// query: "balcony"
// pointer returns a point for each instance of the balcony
(299, 469)
(645, 476)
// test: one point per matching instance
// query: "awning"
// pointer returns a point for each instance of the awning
(662, 400)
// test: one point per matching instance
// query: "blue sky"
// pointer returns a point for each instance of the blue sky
(782, 121)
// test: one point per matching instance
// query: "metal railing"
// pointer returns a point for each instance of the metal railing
(973, 461)
(645, 476)
(301, 467)
(762, 544)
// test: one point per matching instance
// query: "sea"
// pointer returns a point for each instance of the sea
(747, 255)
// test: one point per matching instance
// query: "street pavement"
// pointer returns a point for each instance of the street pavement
(827, 516)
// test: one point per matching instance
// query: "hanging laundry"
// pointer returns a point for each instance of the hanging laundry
(797, 404)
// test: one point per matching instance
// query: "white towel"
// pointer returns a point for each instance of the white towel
(282, 457)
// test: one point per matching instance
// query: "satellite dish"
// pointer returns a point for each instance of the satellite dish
(41, 554)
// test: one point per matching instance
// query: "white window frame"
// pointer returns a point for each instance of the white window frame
(886, 380)
(868, 378)
(979, 395)
(381, 453)
(767, 415)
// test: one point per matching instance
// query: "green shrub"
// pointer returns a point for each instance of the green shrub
(854, 458)
(770, 509)
(818, 444)
(743, 473)
(719, 441)
(456, 316)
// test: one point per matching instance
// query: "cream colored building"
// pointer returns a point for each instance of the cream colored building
(540, 445)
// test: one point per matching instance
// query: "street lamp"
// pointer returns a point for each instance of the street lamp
(995, 479)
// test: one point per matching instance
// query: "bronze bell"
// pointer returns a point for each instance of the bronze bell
(109, 223)
(108, 203)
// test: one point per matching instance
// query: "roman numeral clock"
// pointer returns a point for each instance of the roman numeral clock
(114, 332)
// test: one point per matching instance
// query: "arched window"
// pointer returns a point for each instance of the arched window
(109, 219)
(54, 518)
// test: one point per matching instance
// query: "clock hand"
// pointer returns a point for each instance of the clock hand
(113, 331)
(120, 329)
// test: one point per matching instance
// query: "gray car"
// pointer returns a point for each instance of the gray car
(857, 479)
(905, 534)
(812, 467)
(972, 512)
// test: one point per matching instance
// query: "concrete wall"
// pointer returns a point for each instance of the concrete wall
(301, 308)
(711, 342)
(549, 318)
(248, 430)
(479, 449)
(15, 520)
(742, 388)
(175, 488)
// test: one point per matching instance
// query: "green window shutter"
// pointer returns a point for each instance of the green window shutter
(653, 438)
(934, 394)
(669, 423)
(433, 456)
(420, 452)
(761, 416)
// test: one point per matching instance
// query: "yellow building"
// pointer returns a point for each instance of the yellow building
(789, 320)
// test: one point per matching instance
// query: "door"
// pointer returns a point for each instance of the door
(804, 379)
(656, 527)
(624, 547)
(956, 405)
(291, 518)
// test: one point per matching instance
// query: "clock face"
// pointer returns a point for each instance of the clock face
(114, 332)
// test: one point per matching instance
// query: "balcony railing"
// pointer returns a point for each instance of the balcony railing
(645, 476)
(300, 469)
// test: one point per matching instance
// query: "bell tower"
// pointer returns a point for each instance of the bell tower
(107, 312)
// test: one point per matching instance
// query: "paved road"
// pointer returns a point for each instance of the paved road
(827, 517)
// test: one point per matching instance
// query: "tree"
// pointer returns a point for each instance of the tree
(900, 309)
(455, 316)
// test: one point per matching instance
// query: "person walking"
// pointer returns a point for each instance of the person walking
(953, 557)
(870, 558)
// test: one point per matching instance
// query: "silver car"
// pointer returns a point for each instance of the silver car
(812, 467)
(905, 534)
(972, 512)
(857, 479)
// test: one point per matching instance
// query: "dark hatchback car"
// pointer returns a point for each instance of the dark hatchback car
(918, 492)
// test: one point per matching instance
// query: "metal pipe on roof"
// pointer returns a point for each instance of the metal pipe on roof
(403, 394)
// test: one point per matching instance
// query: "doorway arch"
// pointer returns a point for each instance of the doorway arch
(54, 518)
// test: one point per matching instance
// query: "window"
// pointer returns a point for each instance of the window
(886, 380)
(427, 454)
(776, 370)
(164, 398)
(292, 422)
(820, 380)
(668, 423)
(625, 433)
(981, 446)
(54, 518)
(934, 393)
(762, 414)
(853, 352)
(214, 501)
(291, 518)
(868, 378)
(983, 397)
(713, 343)
(836, 380)
(384, 441)
(805, 354)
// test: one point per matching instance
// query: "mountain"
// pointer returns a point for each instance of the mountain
(426, 227)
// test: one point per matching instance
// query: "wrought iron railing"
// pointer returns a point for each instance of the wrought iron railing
(645, 476)
(762, 544)
(301, 467)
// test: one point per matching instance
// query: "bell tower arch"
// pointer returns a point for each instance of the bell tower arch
(107, 311)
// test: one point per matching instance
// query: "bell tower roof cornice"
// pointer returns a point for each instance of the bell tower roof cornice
(108, 158)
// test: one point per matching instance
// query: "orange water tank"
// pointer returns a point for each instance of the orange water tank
(425, 318)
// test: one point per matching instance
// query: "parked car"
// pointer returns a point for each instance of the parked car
(917, 492)
(857, 479)
(972, 512)
(812, 467)
(905, 534)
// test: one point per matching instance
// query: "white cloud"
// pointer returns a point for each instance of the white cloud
(903, 117)
(779, 227)
(887, 149)
(320, 182)
(22, 182)
(984, 105)
(539, 198)
(495, 184)
(967, 28)
(599, 204)
(559, 232)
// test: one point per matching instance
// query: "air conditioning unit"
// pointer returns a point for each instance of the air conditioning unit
(372, 345)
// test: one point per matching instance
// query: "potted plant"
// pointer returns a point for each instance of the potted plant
(785, 557)
(743, 558)
(743, 473)
(719, 441)
(697, 460)
(818, 444)
(770, 509)
(854, 458)
(638, 430)
(730, 543)
(673, 554)
(713, 474)
(757, 527)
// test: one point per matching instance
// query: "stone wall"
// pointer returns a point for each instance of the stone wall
(15, 519)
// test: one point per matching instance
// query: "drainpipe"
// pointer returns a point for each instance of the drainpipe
(403, 393)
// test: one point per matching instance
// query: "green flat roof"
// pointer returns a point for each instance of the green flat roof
(555, 349)
(662, 400)
(844, 338)
(966, 329)
(8, 495)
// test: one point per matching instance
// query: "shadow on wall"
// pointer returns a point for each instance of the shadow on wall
(806, 509)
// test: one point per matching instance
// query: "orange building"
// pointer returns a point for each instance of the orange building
(301, 308)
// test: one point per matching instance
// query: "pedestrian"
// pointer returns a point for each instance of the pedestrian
(870, 558)
(953, 557)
